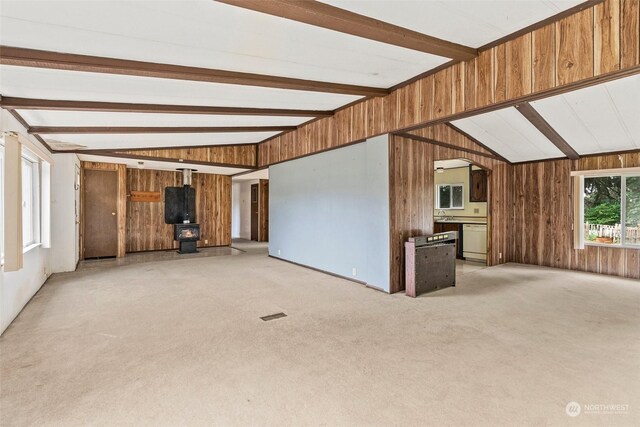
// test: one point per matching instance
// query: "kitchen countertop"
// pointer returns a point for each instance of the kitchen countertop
(482, 221)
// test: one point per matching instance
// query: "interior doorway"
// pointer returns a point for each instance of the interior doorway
(254, 211)
(100, 225)
(461, 205)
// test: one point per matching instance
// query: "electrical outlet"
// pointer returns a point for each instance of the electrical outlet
(206, 242)
(278, 251)
(354, 272)
(500, 255)
(476, 210)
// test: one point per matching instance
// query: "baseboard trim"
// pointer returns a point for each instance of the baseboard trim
(360, 282)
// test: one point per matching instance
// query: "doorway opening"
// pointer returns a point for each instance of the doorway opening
(461, 205)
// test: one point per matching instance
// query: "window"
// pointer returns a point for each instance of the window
(611, 209)
(450, 196)
(30, 202)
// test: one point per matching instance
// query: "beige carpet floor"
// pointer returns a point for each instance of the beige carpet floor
(181, 342)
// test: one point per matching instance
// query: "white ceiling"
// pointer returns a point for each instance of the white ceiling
(88, 118)
(597, 119)
(508, 133)
(79, 86)
(170, 166)
(259, 174)
(205, 33)
(469, 22)
(108, 141)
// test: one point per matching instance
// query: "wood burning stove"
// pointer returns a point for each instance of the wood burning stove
(180, 211)
(187, 235)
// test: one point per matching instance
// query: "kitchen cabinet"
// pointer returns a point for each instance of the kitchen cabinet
(477, 185)
(441, 227)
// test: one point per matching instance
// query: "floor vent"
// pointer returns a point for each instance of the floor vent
(273, 316)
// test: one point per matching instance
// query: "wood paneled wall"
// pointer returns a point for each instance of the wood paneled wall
(595, 44)
(263, 210)
(411, 193)
(145, 227)
(541, 221)
(410, 199)
(231, 155)
(121, 203)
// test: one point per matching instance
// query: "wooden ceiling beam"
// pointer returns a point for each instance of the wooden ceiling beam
(11, 103)
(333, 18)
(445, 145)
(545, 128)
(93, 64)
(42, 130)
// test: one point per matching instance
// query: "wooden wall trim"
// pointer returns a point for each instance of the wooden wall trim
(550, 60)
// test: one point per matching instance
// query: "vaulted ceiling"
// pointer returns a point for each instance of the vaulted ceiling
(204, 72)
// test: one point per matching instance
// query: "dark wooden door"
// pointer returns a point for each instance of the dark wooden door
(254, 211)
(100, 213)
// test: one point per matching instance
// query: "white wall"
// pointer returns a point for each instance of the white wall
(64, 206)
(241, 209)
(17, 288)
(331, 211)
(235, 210)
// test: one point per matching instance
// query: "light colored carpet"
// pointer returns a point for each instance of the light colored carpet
(181, 343)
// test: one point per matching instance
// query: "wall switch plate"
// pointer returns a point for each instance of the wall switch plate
(278, 251)
(354, 272)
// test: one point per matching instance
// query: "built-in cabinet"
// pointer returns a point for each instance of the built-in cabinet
(477, 185)
(441, 227)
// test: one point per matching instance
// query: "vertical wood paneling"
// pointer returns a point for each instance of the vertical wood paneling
(442, 103)
(145, 227)
(574, 47)
(519, 67)
(457, 89)
(542, 217)
(606, 41)
(426, 97)
(122, 210)
(241, 154)
(499, 71)
(484, 79)
(470, 84)
(543, 70)
(263, 210)
(410, 199)
(629, 33)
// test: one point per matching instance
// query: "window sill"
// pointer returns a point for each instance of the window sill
(611, 245)
(30, 247)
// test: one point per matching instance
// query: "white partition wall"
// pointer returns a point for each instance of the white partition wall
(330, 211)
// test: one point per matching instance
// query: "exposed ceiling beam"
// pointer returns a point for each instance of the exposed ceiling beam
(545, 128)
(141, 130)
(155, 159)
(11, 103)
(71, 62)
(341, 20)
(466, 135)
(445, 145)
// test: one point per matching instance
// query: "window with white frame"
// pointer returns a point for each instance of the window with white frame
(450, 196)
(610, 209)
(30, 201)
